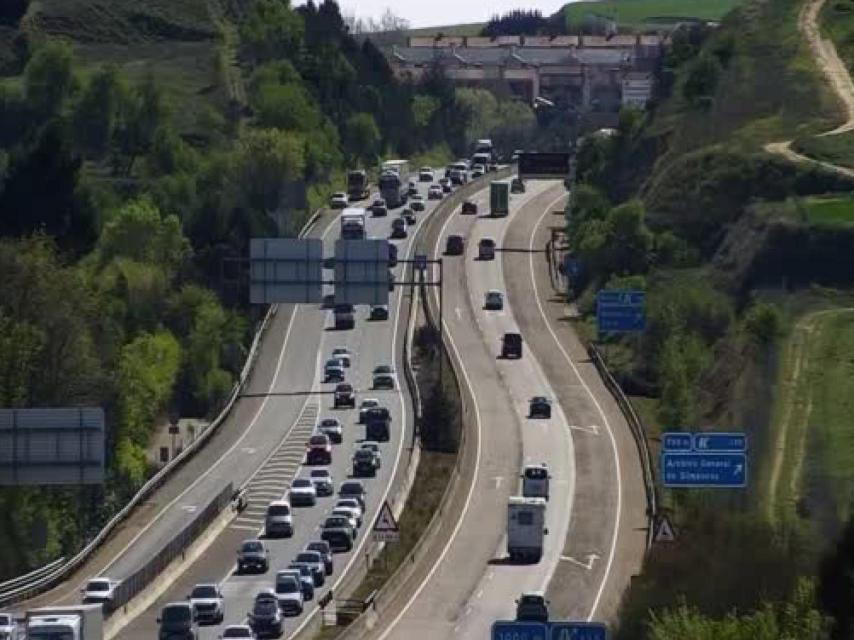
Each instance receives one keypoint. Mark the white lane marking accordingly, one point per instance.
(591, 428)
(591, 558)
(358, 550)
(498, 480)
(244, 527)
(248, 450)
(459, 313)
(611, 552)
(470, 493)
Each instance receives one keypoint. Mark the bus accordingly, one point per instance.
(394, 183)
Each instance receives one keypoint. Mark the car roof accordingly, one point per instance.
(494, 292)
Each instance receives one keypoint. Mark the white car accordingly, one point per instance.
(434, 192)
(324, 484)
(331, 427)
(342, 354)
(303, 492)
(425, 174)
(477, 170)
(100, 590)
(348, 513)
(367, 404)
(338, 200)
(208, 603)
(9, 628)
(351, 503)
(289, 593)
(416, 202)
(235, 631)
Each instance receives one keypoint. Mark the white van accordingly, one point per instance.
(535, 481)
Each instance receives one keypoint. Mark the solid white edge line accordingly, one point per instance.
(605, 421)
(459, 523)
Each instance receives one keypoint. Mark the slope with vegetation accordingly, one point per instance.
(141, 146)
(733, 247)
(645, 13)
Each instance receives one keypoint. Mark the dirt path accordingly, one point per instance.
(830, 64)
(789, 447)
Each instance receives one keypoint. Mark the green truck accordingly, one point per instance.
(499, 198)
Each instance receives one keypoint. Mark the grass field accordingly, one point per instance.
(633, 13)
(812, 465)
(834, 210)
(838, 149)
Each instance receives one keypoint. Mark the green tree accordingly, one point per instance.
(362, 137)
(271, 30)
(763, 322)
(97, 111)
(21, 347)
(836, 584)
(701, 79)
(424, 108)
(286, 106)
(146, 112)
(147, 370)
(676, 401)
(49, 78)
(138, 232)
(629, 240)
(268, 157)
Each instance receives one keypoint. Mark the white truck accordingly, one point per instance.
(526, 528)
(353, 223)
(77, 622)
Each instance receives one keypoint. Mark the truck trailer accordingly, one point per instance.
(526, 528)
(357, 184)
(499, 198)
(76, 622)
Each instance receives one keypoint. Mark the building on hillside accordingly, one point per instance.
(597, 74)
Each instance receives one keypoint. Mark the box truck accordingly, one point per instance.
(357, 184)
(499, 198)
(77, 622)
(526, 528)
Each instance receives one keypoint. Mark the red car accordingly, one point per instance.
(319, 450)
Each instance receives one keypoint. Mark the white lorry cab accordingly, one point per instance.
(79, 622)
(526, 528)
(535, 481)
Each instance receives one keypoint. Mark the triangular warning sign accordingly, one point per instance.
(385, 520)
(664, 532)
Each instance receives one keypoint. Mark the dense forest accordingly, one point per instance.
(116, 219)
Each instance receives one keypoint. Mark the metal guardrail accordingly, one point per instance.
(388, 591)
(639, 433)
(31, 576)
(142, 577)
(42, 580)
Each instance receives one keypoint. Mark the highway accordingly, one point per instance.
(313, 338)
(471, 584)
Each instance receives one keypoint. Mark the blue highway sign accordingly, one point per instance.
(677, 441)
(721, 442)
(618, 310)
(577, 631)
(722, 470)
(513, 630)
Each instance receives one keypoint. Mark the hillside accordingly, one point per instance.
(638, 13)
(176, 39)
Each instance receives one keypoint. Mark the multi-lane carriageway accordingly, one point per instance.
(595, 514)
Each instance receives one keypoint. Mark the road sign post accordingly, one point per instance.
(386, 528)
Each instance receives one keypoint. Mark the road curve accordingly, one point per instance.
(607, 537)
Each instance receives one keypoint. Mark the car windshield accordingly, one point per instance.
(254, 545)
(98, 585)
(264, 607)
(383, 368)
(318, 441)
(238, 632)
(178, 613)
(319, 473)
(274, 510)
(364, 454)
(308, 556)
(344, 388)
(336, 521)
(302, 483)
(348, 502)
(370, 402)
(333, 362)
(287, 584)
(320, 547)
(536, 473)
(329, 422)
(204, 591)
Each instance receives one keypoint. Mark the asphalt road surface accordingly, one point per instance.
(313, 338)
(472, 583)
